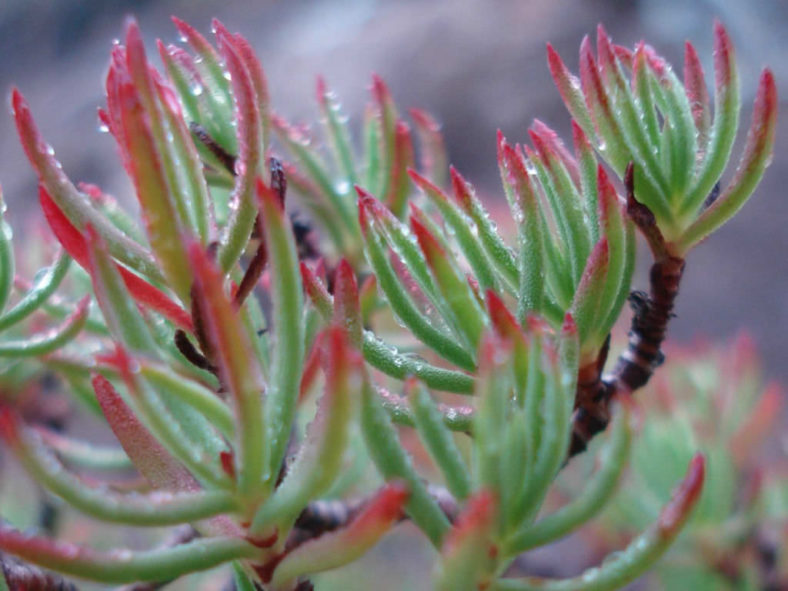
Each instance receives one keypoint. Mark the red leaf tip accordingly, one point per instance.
(363, 193)
(569, 327)
(18, 102)
(502, 320)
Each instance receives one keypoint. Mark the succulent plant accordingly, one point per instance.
(711, 398)
(250, 373)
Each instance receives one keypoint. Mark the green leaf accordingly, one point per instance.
(589, 502)
(249, 162)
(318, 174)
(336, 129)
(44, 285)
(461, 226)
(401, 301)
(288, 327)
(755, 158)
(152, 509)
(393, 462)
(635, 559)
(192, 393)
(588, 298)
(322, 451)
(6, 257)
(468, 557)
(452, 285)
(496, 249)
(385, 357)
(74, 204)
(51, 340)
(125, 566)
(84, 454)
(123, 319)
(726, 122)
(438, 439)
(493, 390)
(238, 372)
(334, 549)
(525, 208)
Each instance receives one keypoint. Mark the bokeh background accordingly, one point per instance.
(477, 65)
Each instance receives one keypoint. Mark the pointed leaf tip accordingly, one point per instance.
(321, 89)
(347, 309)
(379, 89)
(723, 56)
(503, 322)
(363, 193)
(461, 190)
(428, 243)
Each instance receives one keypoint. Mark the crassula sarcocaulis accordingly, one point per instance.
(252, 366)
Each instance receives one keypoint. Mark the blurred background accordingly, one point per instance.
(477, 65)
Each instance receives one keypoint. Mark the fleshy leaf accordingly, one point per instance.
(347, 313)
(496, 249)
(50, 340)
(453, 287)
(6, 256)
(755, 158)
(642, 552)
(152, 509)
(462, 228)
(468, 556)
(400, 298)
(248, 164)
(321, 456)
(43, 287)
(596, 494)
(154, 462)
(394, 462)
(697, 93)
(726, 120)
(438, 439)
(124, 566)
(75, 206)
(347, 544)
(287, 314)
(75, 244)
(433, 161)
(238, 370)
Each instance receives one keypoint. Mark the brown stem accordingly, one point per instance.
(20, 576)
(255, 268)
(227, 159)
(651, 314)
(320, 517)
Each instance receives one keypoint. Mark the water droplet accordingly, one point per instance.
(122, 554)
(196, 88)
(103, 128)
(590, 575)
